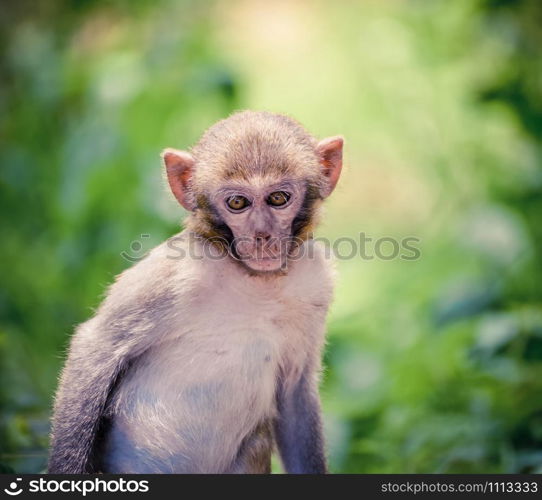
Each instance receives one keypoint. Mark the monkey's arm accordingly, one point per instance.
(137, 311)
(298, 427)
(91, 371)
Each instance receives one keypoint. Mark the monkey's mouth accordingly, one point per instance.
(264, 264)
(271, 256)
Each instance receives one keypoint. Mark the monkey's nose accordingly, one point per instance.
(262, 236)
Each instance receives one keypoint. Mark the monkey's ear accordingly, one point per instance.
(330, 153)
(179, 166)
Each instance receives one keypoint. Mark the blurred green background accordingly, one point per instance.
(432, 365)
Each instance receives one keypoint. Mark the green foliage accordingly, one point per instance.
(433, 365)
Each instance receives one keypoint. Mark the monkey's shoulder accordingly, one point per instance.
(148, 290)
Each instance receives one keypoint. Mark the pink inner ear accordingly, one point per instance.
(330, 151)
(179, 170)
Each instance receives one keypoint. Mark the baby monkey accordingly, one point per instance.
(206, 363)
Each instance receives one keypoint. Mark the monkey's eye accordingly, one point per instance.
(278, 198)
(237, 202)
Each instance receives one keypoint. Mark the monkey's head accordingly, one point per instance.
(254, 183)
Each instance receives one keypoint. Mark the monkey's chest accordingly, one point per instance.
(190, 401)
(216, 365)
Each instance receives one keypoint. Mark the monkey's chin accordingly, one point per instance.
(264, 265)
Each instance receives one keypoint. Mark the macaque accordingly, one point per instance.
(208, 363)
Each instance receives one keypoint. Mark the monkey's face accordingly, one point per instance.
(254, 181)
(260, 215)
